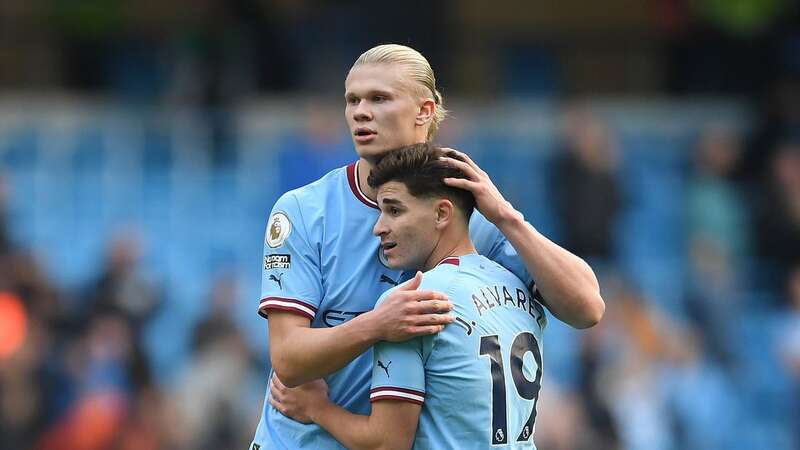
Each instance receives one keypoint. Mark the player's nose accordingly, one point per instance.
(362, 112)
(380, 228)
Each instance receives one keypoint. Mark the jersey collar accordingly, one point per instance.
(352, 180)
(450, 260)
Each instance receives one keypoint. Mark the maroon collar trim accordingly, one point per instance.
(352, 180)
(450, 260)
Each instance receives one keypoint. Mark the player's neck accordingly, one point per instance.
(364, 168)
(454, 245)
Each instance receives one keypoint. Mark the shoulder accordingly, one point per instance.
(300, 209)
(479, 267)
(442, 277)
(495, 269)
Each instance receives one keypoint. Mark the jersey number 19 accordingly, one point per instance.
(523, 343)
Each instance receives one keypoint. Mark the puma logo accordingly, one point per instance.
(385, 368)
(386, 279)
(277, 280)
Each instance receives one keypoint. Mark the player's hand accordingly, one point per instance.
(488, 199)
(408, 312)
(297, 403)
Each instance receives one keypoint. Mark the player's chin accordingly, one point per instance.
(396, 262)
(393, 263)
(370, 151)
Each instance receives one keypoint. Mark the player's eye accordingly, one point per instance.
(394, 211)
(352, 100)
(379, 98)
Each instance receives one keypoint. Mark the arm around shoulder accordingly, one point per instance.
(565, 281)
(300, 353)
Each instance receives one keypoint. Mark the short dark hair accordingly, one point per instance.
(419, 168)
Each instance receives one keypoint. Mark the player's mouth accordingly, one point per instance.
(388, 247)
(364, 135)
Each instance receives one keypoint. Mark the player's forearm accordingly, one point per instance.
(354, 431)
(351, 430)
(566, 281)
(302, 354)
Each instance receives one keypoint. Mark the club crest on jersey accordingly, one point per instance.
(279, 229)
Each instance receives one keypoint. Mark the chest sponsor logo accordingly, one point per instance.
(333, 317)
(279, 229)
(277, 261)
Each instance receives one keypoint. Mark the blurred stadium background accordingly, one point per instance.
(143, 143)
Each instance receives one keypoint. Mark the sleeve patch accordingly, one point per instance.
(277, 261)
(279, 229)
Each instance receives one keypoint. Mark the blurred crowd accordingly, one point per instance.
(717, 368)
(720, 370)
(74, 374)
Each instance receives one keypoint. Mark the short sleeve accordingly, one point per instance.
(491, 243)
(398, 369)
(291, 279)
(398, 372)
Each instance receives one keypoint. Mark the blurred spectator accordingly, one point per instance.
(717, 230)
(29, 280)
(561, 422)
(151, 423)
(715, 211)
(777, 121)
(588, 195)
(102, 369)
(790, 349)
(212, 398)
(121, 288)
(635, 342)
(701, 396)
(23, 388)
(778, 214)
(603, 428)
(5, 239)
(789, 343)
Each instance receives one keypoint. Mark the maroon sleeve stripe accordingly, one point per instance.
(392, 388)
(392, 393)
(377, 398)
(286, 304)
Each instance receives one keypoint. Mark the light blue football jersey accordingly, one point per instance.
(479, 379)
(322, 261)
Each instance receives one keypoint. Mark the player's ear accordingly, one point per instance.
(425, 112)
(444, 213)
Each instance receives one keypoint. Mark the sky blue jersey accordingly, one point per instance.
(479, 379)
(322, 261)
